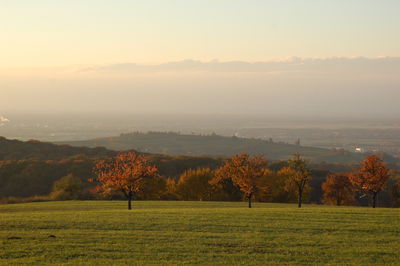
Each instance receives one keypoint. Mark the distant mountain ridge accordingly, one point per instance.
(20, 150)
(172, 143)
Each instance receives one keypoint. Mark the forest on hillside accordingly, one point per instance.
(174, 143)
(36, 169)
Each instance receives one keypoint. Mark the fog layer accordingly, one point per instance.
(295, 86)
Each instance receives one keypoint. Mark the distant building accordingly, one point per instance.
(297, 142)
(359, 149)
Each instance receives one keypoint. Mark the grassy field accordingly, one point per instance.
(99, 232)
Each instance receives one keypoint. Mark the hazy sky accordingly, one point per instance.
(309, 57)
(65, 32)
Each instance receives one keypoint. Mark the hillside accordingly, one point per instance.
(214, 145)
(19, 150)
(29, 168)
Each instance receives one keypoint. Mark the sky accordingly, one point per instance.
(200, 56)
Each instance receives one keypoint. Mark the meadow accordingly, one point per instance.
(177, 232)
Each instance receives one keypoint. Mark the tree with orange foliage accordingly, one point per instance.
(194, 184)
(371, 177)
(126, 173)
(298, 174)
(338, 190)
(245, 172)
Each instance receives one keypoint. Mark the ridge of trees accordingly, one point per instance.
(188, 178)
(175, 143)
(33, 149)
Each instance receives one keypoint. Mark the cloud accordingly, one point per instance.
(313, 86)
(4, 119)
(287, 65)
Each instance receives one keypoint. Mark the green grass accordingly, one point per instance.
(100, 232)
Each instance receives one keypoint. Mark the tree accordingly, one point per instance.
(395, 194)
(153, 188)
(371, 177)
(298, 175)
(68, 187)
(194, 184)
(127, 173)
(279, 191)
(170, 190)
(338, 190)
(245, 172)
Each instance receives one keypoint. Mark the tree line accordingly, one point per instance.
(243, 174)
(197, 178)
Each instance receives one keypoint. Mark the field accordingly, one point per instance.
(100, 232)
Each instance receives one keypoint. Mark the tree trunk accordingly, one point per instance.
(338, 201)
(129, 202)
(249, 198)
(374, 199)
(300, 198)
